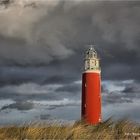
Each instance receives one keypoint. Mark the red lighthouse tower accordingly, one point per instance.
(91, 88)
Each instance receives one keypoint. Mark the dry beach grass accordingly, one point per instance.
(107, 130)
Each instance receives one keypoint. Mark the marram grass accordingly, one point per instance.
(107, 130)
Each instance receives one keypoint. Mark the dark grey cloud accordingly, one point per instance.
(73, 88)
(30, 91)
(45, 116)
(56, 39)
(66, 28)
(5, 2)
(19, 106)
(116, 97)
(33, 91)
(122, 93)
(132, 88)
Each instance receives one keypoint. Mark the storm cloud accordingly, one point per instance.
(42, 45)
(34, 35)
(120, 91)
(19, 106)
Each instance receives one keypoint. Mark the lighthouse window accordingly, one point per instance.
(90, 55)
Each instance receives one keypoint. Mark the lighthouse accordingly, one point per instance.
(91, 88)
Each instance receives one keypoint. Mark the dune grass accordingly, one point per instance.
(107, 130)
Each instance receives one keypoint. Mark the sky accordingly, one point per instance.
(42, 46)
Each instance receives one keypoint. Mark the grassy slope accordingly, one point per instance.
(107, 130)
